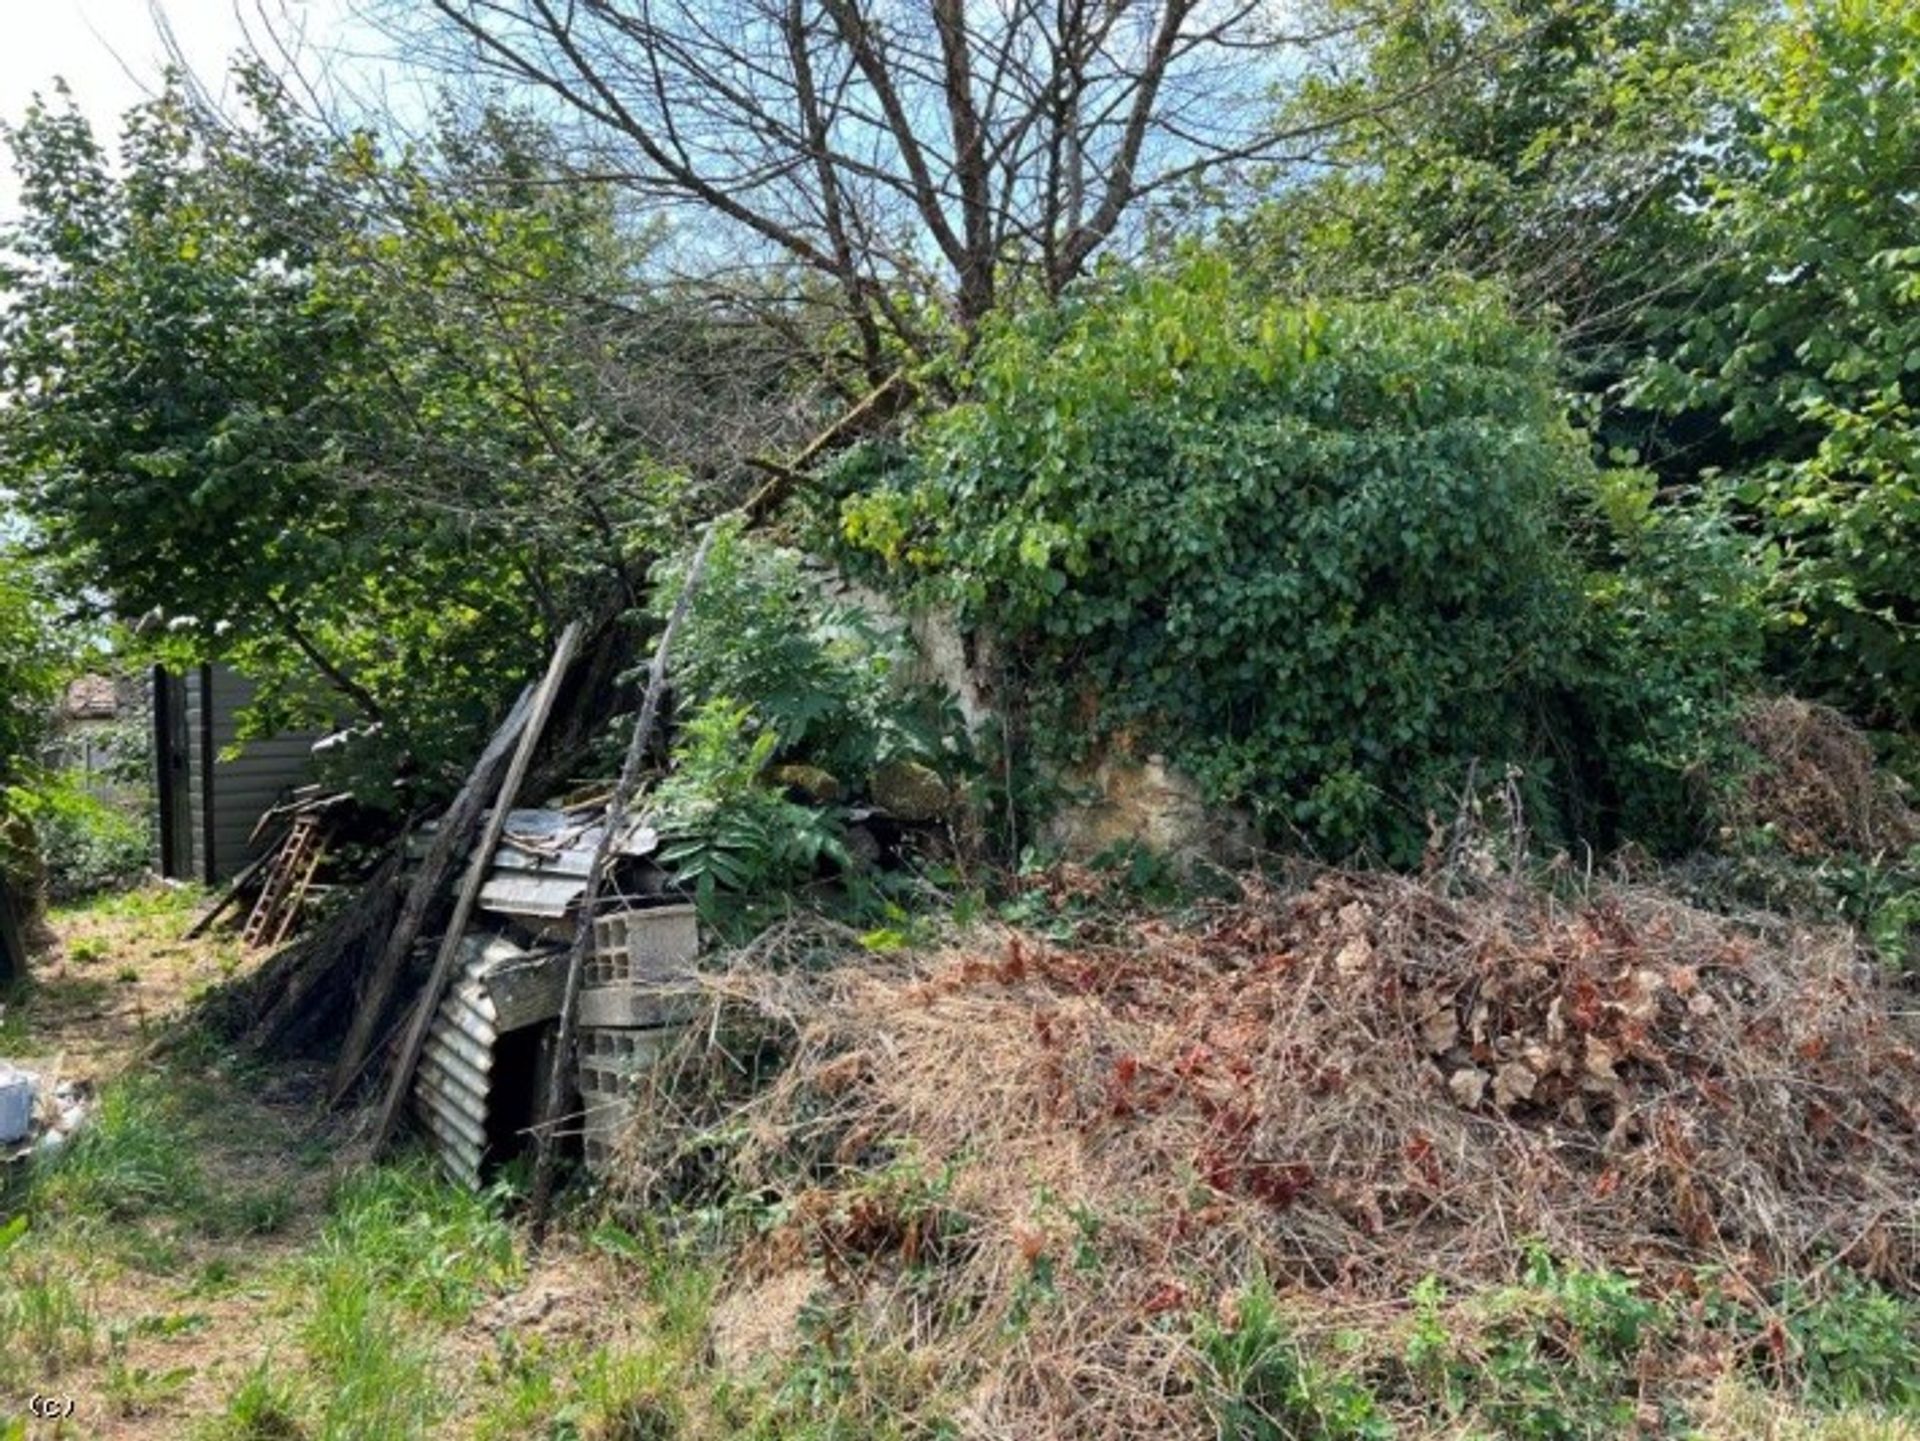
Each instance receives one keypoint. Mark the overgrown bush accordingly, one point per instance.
(820, 673)
(1316, 552)
(790, 700)
(87, 845)
(1647, 718)
(722, 825)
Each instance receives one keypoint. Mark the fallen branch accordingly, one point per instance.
(455, 830)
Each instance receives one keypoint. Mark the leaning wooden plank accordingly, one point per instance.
(456, 828)
(448, 960)
(552, 1096)
(232, 893)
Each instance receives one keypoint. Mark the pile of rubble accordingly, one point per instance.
(35, 1118)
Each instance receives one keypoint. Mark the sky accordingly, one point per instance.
(112, 54)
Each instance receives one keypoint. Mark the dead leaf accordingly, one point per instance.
(1601, 1059)
(1512, 1084)
(1440, 1029)
(1469, 1087)
(1355, 956)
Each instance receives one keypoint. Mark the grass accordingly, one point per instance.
(46, 1323)
(433, 1249)
(264, 1407)
(128, 1162)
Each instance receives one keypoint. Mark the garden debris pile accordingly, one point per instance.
(1817, 785)
(1351, 1087)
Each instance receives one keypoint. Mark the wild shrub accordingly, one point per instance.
(822, 675)
(87, 845)
(1552, 1358)
(1317, 553)
(1645, 721)
(722, 826)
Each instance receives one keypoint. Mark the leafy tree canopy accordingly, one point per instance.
(323, 412)
(1804, 344)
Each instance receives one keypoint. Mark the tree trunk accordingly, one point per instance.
(13, 938)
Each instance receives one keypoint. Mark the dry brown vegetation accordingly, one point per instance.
(1816, 784)
(1348, 1088)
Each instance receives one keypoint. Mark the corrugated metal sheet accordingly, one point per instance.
(541, 866)
(548, 897)
(454, 1114)
(453, 1089)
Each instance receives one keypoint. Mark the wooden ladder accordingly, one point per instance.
(287, 880)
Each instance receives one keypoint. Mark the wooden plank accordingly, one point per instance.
(553, 1097)
(13, 938)
(527, 993)
(428, 880)
(477, 867)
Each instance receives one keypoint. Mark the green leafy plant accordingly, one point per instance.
(87, 845)
(722, 825)
(1551, 1358)
(1262, 1384)
(1854, 1343)
(1308, 550)
(820, 672)
(1668, 648)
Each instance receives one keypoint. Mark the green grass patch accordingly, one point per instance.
(46, 1323)
(433, 1248)
(374, 1364)
(265, 1407)
(134, 1158)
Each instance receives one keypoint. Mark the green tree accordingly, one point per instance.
(29, 674)
(30, 668)
(1804, 345)
(325, 413)
(1557, 147)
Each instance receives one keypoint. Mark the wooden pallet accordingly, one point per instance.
(288, 876)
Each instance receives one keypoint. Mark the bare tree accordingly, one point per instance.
(924, 161)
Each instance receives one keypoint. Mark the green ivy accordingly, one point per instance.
(1311, 551)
